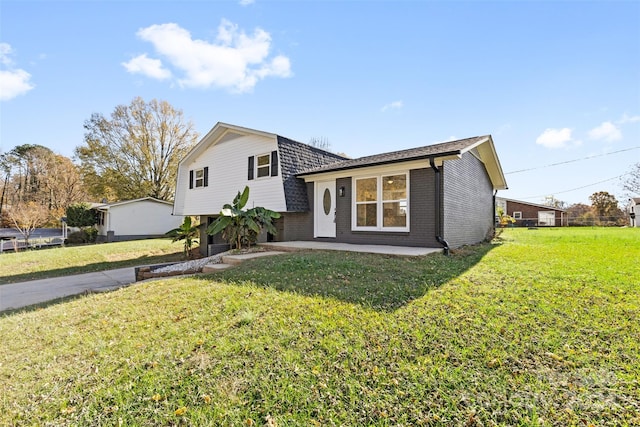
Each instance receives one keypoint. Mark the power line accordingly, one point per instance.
(578, 188)
(572, 161)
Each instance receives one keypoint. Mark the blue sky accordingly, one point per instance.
(552, 82)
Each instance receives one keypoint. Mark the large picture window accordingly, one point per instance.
(381, 203)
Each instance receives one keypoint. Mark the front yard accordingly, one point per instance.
(62, 261)
(539, 328)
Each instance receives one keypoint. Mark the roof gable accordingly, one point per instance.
(221, 132)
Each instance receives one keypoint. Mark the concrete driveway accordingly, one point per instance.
(24, 294)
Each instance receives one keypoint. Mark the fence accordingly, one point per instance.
(16, 243)
(575, 221)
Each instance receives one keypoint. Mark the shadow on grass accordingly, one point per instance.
(6, 279)
(381, 282)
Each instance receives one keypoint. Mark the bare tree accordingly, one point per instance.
(321, 142)
(632, 183)
(554, 203)
(135, 153)
(28, 216)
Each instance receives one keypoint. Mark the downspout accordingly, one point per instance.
(495, 193)
(436, 203)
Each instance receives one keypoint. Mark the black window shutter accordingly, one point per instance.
(250, 176)
(274, 163)
(206, 176)
(190, 179)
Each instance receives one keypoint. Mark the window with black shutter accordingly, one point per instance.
(199, 177)
(263, 165)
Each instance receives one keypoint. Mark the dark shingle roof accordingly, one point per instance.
(295, 157)
(435, 150)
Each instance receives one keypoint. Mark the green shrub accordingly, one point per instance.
(86, 235)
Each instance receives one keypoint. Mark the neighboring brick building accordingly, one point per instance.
(533, 215)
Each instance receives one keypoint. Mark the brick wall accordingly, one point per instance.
(421, 215)
(467, 196)
(530, 213)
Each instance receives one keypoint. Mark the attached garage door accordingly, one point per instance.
(547, 218)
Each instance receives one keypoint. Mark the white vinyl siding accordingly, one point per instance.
(143, 217)
(227, 161)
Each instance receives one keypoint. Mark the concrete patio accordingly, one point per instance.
(331, 246)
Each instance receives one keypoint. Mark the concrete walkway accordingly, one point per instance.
(24, 294)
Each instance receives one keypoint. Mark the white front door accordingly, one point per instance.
(325, 210)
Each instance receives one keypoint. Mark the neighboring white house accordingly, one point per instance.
(633, 209)
(135, 219)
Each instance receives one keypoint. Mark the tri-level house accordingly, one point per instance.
(438, 195)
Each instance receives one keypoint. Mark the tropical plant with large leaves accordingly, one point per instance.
(188, 232)
(241, 227)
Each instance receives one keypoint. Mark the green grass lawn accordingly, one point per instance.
(62, 261)
(539, 328)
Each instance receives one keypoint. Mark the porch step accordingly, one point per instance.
(210, 268)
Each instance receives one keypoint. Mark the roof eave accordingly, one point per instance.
(492, 163)
(456, 153)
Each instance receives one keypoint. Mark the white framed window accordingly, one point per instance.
(517, 215)
(263, 165)
(381, 202)
(198, 178)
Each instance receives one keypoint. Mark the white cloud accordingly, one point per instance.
(234, 60)
(5, 51)
(556, 138)
(13, 81)
(628, 119)
(148, 66)
(607, 131)
(395, 105)
(246, 2)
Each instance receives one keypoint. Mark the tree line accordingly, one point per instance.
(605, 209)
(132, 153)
